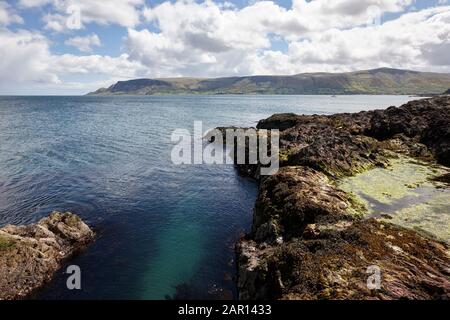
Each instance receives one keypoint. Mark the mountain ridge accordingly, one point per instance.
(374, 81)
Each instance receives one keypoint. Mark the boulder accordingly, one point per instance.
(30, 255)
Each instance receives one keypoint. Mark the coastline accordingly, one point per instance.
(315, 175)
(312, 240)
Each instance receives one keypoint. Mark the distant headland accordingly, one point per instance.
(376, 81)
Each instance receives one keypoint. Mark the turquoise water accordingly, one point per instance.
(160, 226)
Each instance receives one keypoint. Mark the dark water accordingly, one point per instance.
(108, 160)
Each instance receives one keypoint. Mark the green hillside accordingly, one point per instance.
(377, 81)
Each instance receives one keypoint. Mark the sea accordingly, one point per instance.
(164, 231)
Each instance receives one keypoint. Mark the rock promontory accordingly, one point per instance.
(30, 255)
(312, 238)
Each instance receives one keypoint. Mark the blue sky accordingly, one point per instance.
(126, 39)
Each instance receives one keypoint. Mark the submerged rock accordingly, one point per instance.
(30, 255)
(312, 240)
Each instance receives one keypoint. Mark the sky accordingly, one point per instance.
(65, 47)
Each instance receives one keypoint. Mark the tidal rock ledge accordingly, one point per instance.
(311, 240)
(30, 255)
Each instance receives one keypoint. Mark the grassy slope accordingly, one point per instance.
(378, 81)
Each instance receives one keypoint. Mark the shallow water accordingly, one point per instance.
(407, 194)
(108, 160)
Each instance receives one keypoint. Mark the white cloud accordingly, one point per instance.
(206, 39)
(8, 15)
(399, 43)
(125, 13)
(120, 66)
(84, 44)
(187, 38)
(249, 26)
(56, 22)
(418, 41)
(325, 14)
(26, 59)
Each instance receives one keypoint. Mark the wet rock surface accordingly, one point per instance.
(310, 239)
(334, 261)
(344, 144)
(30, 255)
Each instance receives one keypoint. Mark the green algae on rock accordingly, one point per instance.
(431, 218)
(401, 178)
(6, 242)
(406, 192)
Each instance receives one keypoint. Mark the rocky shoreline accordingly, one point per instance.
(30, 255)
(312, 240)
